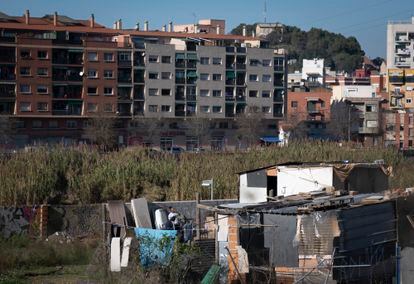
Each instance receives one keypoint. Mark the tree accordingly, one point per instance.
(101, 131)
(249, 124)
(7, 130)
(344, 120)
(239, 29)
(146, 127)
(198, 127)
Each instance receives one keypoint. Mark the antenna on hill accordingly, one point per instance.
(265, 11)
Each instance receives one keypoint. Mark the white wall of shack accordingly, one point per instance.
(251, 194)
(294, 180)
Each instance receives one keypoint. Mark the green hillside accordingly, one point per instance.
(340, 53)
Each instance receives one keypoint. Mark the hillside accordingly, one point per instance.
(340, 53)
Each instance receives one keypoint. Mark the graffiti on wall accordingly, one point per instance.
(18, 220)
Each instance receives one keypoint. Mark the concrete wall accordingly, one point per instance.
(293, 180)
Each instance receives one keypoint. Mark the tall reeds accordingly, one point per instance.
(85, 175)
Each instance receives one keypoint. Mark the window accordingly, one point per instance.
(205, 109)
(92, 107)
(71, 124)
(294, 104)
(42, 71)
(166, 143)
(108, 57)
(216, 77)
(42, 106)
(253, 94)
(25, 89)
(204, 76)
(166, 59)
(153, 75)
(25, 106)
(37, 124)
(108, 107)
(265, 94)
(166, 92)
(166, 75)
(41, 89)
(25, 54)
(42, 54)
(253, 77)
(25, 71)
(92, 91)
(408, 101)
(371, 108)
(266, 78)
(92, 73)
(108, 74)
(266, 62)
(153, 92)
(216, 93)
(165, 108)
(153, 108)
(204, 60)
(124, 56)
(266, 109)
(216, 109)
(92, 56)
(53, 124)
(254, 62)
(204, 93)
(108, 91)
(153, 58)
(372, 123)
(216, 61)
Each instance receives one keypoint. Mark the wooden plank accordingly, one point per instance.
(125, 252)
(116, 254)
(141, 213)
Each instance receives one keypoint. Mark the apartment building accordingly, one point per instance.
(56, 72)
(309, 112)
(400, 44)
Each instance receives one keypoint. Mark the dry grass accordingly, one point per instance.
(69, 175)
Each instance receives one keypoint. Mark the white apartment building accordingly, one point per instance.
(400, 44)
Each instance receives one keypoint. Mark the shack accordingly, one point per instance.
(258, 185)
(323, 239)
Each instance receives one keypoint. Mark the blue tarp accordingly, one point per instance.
(270, 139)
(155, 246)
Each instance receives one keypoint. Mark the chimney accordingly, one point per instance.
(27, 17)
(115, 25)
(146, 26)
(92, 21)
(55, 19)
(120, 24)
(137, 26)
(170, 27)
(164, 28)
(218, 29)
(244, 30)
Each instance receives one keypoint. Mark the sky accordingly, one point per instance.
(364, 19)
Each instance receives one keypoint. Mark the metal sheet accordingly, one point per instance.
(141, 213)
(279, 232)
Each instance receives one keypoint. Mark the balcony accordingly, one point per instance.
(180, 63)
(67, 92)
(230, 49)
(67, 57)
(7, 91)
(191, 64)
(124, 63)
(7, 55)
(191, 98)
(7, 73)
(6, 107)
(404, 52)
(66, 108)
(67, 74)
(396, 80)
(180, 110)
(397, 94)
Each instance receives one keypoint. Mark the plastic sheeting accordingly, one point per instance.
(155, 246)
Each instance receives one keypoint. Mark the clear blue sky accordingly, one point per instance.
(364, 19)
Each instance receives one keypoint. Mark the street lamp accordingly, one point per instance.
(208, 183)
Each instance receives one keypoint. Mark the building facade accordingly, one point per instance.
(57, 72)
(400, 44)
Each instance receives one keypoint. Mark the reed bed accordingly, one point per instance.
(85, 175)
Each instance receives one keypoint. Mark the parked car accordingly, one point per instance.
(175, 150)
